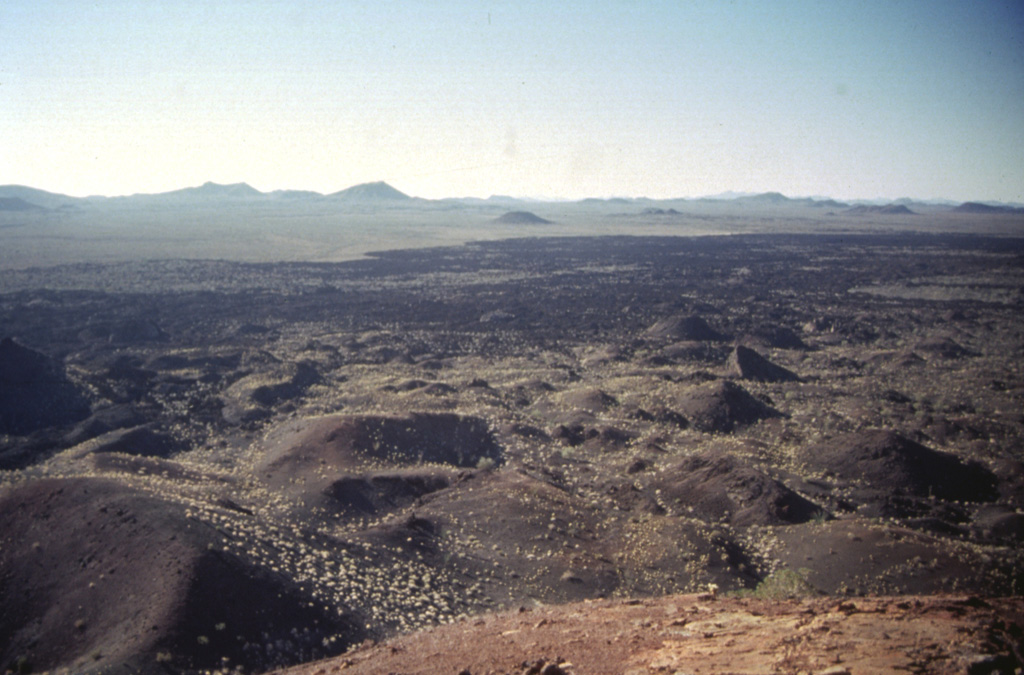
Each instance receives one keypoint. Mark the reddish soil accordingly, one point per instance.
(702, 634)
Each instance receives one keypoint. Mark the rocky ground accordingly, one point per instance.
(703, 634)
(229, 466)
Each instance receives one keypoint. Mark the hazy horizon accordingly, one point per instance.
(725, 195)
(452, 99)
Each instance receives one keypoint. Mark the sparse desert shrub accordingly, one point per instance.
(782, 584)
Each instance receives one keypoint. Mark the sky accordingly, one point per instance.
(849, 99)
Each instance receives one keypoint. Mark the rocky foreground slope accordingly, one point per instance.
(940, 635)
(249, 467)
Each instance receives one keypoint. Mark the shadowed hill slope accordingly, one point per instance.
(113, 579)
(35, 392)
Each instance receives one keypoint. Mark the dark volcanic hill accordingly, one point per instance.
(118, 579)
(521, 218)
(891, 464)
(722, 406)
(749, 365)
(371, 192)
(720, 487)
(684, 328)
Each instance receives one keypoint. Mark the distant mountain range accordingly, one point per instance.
(213, 192)
(380, 194)
(779, 199)
(21, 198)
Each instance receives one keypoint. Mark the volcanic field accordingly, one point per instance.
(237, 467)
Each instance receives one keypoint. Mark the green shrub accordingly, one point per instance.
(783, 584)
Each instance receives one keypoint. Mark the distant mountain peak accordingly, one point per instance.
(377, 191)
(764, 198)
(233, 189)
(208, 191)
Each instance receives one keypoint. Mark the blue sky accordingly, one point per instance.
(569, 99)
